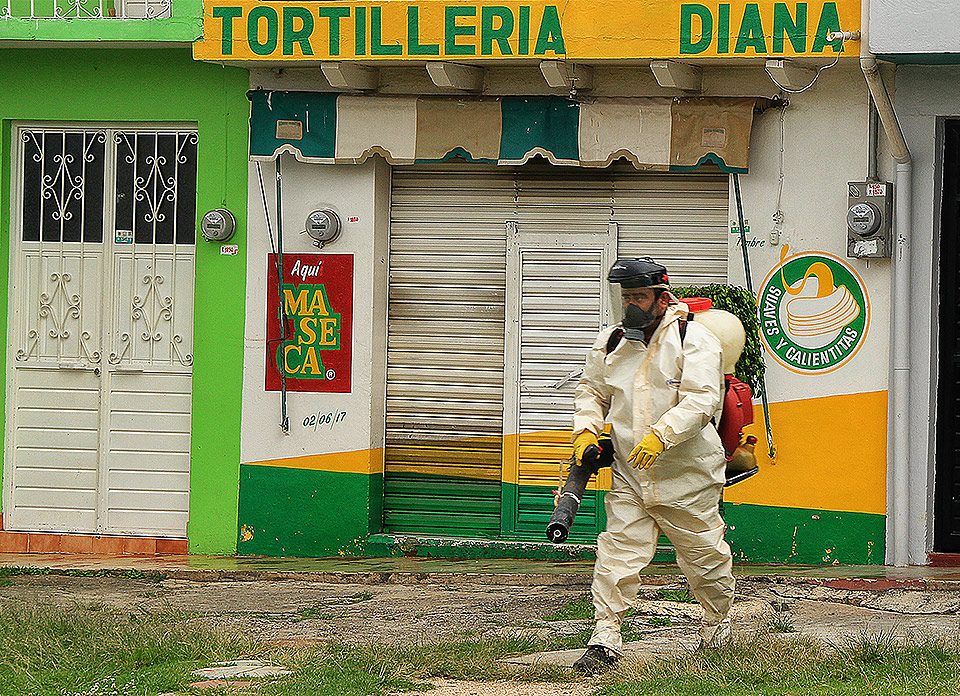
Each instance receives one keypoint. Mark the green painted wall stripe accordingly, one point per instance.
(288, 512)
(762, 534)
(108, 86)
(303, 512)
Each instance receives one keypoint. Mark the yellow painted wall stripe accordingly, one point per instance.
(831, 455)
(355, 462)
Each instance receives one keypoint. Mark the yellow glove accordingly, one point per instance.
(646, 453)
(580, 444)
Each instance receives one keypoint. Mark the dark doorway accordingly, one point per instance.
(946, 520)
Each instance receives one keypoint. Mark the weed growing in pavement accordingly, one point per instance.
(677, 595)
(660, 621)
(358, 597)
(781, 622)
(322, 613)
(15, 571)
(580, 608)
(125, 573)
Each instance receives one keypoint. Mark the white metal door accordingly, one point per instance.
(558, 291)
(101, 330)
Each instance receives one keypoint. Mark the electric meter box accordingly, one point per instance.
(869, 219)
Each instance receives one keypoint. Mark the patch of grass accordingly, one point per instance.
(5, 582)
(678, 595)
(314, 613)
(50, 652)
(772, 665)
(781, 622)
(87, 651)
(660, 621)
(581, 608)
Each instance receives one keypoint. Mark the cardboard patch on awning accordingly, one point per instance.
(709, 129)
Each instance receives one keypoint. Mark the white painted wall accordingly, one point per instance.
(825, 146)
(914, 26)
(359, 191)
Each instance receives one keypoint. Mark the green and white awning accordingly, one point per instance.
(661, 134)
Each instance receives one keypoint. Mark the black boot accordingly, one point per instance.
(596, 659)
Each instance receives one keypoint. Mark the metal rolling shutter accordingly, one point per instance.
(447, 314)
(445, 351)
(680, 220)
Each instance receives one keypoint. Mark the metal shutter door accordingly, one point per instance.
(560, 315)
(444, 411)
(679, 220)
(558, 323)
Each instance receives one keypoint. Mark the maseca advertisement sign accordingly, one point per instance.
(254, 30)
(314, 346)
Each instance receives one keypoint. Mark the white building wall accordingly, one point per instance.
(914, 26)
(359, 192)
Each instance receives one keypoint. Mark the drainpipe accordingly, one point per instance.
(898, 501)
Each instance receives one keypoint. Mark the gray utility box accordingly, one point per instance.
(869, 219)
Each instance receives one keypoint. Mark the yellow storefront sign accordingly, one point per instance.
(261, 30)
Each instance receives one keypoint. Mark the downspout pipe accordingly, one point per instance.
(898, 500)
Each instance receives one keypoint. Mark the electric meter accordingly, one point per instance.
(869, 217)
(323, 226)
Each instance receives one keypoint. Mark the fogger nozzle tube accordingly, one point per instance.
(558, 528)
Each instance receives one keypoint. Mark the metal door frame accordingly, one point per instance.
(106, 294)
(517, 242)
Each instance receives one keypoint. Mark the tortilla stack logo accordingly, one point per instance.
(814, 312)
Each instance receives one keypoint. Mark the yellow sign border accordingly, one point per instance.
(510, 30)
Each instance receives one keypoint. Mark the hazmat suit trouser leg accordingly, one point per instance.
(629, 544)
(623, 550)
(705, 559)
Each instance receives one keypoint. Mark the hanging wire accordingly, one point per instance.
(771, 449)
(816, 77)
(278, 263)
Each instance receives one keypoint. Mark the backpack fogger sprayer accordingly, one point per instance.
(736, 414)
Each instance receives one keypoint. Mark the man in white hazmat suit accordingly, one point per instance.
(657, 380)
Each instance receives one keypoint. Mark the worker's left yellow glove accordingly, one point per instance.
(646, 452)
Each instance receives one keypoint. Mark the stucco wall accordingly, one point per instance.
(914, 26)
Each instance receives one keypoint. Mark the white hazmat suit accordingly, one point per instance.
(673, 389)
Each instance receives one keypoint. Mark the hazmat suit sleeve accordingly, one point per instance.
(592, 396)
(699, 391)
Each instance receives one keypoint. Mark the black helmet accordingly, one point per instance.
(642, 272)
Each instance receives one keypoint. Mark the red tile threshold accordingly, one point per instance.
(40, 542)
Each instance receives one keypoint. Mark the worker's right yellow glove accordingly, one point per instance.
(581, 443)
